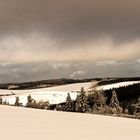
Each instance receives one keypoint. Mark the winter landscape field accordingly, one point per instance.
(69, 69)
(31, 124)
(57, 94)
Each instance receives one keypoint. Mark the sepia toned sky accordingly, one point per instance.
(92, 38)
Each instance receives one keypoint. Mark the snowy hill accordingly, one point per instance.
(56, 94)
(31, 124)
(117, 85)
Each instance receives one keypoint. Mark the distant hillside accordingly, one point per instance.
(43, 83)
(63, 81)
(107, 81)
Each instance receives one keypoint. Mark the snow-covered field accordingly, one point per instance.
(56, 94)
(117, 85)
(31, 124)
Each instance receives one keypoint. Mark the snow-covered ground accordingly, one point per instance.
(56, 94)
(54, 97)
(31, 124)
(117, 85)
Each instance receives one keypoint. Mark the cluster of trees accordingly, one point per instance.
(34, 104)
(97, 102)
(3, 102)
(121, 101)
(94, 102)
(129, 98)
(80, 105)
(31, 103)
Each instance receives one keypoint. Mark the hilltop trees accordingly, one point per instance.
(139, 102)
(69, 105)
(0, 101)
(17, 102)
(5, 102)
(99, 102)
(58, 107)
(138, 106)
(30, 101)
(41, 105)
(134, 108)
(81, 104)
(114, 104)
(93, 101)
(98, 98)
(37, 104)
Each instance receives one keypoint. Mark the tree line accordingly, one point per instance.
(123, 101)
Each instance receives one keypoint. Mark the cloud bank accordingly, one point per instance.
(96, 32)
(79, 30)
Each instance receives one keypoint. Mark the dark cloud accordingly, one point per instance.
(73, 31)
(73, 19)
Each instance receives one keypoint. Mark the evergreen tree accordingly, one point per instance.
(99, 98)
(1, 101)
(58, 107)
(17, 103)
(81, 102)
(29, 101)
(114, 102)
(41, 105)
(139, 102)
(138, 106)
(78, 104)
(5, 102)
(69, 104)
(99, 101)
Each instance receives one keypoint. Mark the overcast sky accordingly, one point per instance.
(85, 38)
